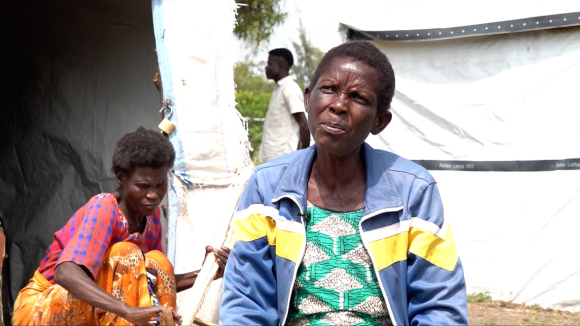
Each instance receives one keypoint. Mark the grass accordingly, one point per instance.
(487, 312)
(531, 323)
(479, 297)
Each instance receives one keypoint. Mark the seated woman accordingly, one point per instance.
(106, 266)
(341, 233)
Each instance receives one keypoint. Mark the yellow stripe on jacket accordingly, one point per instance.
(288, 244)
(425, 244)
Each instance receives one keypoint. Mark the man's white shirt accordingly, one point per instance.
(281, 132)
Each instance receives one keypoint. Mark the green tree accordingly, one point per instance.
(250, 76)
(253, 106)
(254, 90)
(307, 57)
(257, 19)
(253, 95)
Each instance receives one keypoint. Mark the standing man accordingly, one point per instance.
(285, 128)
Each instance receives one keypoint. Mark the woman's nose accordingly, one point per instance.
(339, 104)
(152, 193)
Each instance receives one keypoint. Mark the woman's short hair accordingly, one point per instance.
(142, 147)
(369, 54)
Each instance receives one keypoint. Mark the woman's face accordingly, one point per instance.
(342, 107)
(143, 189)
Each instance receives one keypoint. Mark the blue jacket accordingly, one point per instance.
(402, 228)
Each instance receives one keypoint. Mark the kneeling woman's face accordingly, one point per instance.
(143, 188)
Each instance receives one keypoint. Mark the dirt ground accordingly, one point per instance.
(504, 313)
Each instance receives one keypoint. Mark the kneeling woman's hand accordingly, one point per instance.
(185, 281)
(141, 316)
(222, 256)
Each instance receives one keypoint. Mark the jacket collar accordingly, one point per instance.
(380, 190)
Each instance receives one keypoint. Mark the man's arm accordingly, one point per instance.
(304, 132)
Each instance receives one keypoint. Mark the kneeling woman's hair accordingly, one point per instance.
(143, 147)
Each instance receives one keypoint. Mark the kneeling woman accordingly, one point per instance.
(106, 266)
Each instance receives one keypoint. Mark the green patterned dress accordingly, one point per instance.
(336, 283)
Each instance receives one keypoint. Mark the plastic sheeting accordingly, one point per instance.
(76, 76)
(502, 97)
(212, 164)
(499, 98)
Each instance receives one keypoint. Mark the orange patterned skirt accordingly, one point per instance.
(123, 274)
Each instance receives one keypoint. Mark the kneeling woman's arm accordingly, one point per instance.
(185, 281)
(75, 280)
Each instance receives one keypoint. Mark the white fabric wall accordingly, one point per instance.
(195, 46)
(499, 98)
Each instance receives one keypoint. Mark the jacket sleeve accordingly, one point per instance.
(249, 290)
(435, 282)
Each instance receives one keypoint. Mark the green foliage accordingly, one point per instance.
(254, 90)
(253, 95)
(253, 106)
(307, 58)
(257, 19)
(479, 297)
(250, 77)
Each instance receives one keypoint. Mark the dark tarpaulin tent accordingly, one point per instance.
(76, 76)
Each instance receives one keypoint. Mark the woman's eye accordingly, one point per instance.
(358, 97)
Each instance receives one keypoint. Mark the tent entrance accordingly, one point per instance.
(76, 76)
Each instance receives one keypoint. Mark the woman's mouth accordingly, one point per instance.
(333, 128)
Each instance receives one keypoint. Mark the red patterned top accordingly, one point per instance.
(92, 230)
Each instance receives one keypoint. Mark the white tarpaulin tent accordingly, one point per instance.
(195, 49)
(486, 99)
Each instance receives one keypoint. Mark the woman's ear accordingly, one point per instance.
(306, 98)
(381, 122)
(121, 177)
